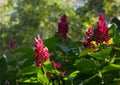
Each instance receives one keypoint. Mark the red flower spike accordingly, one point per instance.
(101, 32)
(12, 44)
(41, 52)
(63, 26)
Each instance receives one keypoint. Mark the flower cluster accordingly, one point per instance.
(57, 66)
(41, 52)
(12, 44)
(100, 34)
(63, 26)
(87, 42)
(102, 31)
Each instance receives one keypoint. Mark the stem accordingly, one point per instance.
(58, 80)
(104, 79)
(63, 82)
(88, 80)
(71, 82)
(53, 83)
(42, 70)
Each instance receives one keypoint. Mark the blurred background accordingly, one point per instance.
(22, 20)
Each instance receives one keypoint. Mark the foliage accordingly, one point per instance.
(70, 62)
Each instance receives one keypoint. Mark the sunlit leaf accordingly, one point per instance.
(73, 74)
(102, 54)
(111, 67)
(30, 70)
(42, 78)
(47, 66)
(86, 51)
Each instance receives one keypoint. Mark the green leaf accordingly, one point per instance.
(112, 30)
(117, 41)
(102, 54)
(25, 56)
(84, 64)
(100, 74)
(47, 66)
(12, 73)
(86, 51)
(117, 79)
(51, 43)
(24, 50)
(30, 70)
(28, 80)
(73, 75)
(12, 62)
(3, 68)
(111, 67)
(28, 62)
(64, 48)
(42, 79)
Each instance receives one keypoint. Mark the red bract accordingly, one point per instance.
(63, 73)
(101, 33)
(90, 32)
(56, 65)
(89, 38)
(41, 52)
(63, 26)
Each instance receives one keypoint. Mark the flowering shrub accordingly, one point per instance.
(54, 62)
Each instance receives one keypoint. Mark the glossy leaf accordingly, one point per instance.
(30, 70)
(84, 64)
(73, 75)
(42, 78)
(117, 41)
(112, 30)
(47, 66)
(86, 51)
(102, 54)
(64, 48)
(51, 43)
(111, 67)
(28, 62)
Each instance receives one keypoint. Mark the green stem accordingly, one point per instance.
(87, 80)
(71, 82)
(42, 70)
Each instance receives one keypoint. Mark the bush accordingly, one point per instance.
(61, 61)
